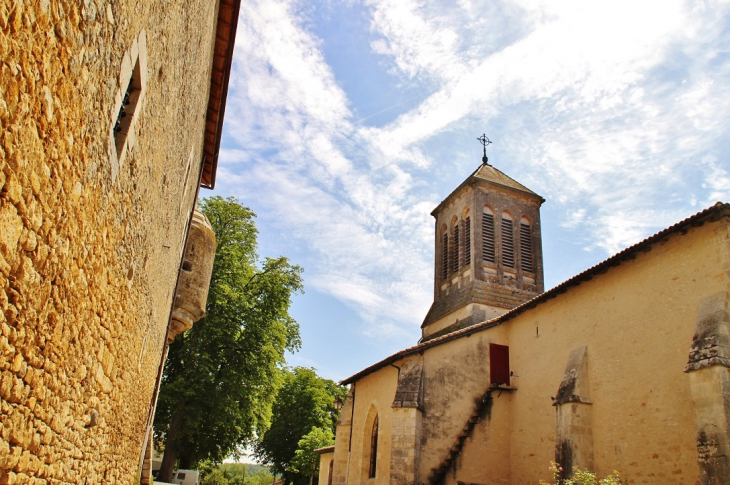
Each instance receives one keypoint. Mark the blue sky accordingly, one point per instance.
(348, 122)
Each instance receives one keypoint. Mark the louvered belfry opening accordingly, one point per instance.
(445, 257)
(526, 247)
(467, 241)
(508, 244)
(455, 259)
(488, 237)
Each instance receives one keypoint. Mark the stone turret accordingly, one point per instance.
(197, 268)
(488, 251)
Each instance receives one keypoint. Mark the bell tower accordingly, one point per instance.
(488, 250)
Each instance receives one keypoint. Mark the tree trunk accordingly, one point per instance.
(311, 476)
(185, 462)
(170, 456)
(288, 478)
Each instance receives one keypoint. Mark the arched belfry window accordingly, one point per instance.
(526, 245)
(455, 248)
(373, 449)
(445, 255)
(508, 242)
(488, 235)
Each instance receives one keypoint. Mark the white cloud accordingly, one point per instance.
(417, 44)
(617, 107)
(620, 137)
(717, 181)
(353, 217)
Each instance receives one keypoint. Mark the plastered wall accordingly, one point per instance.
(325, 459)
(456, 377)
(372, 394)
(89, 252)
(636, 322)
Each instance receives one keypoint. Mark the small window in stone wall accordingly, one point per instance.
(126, 111)
(128, 100)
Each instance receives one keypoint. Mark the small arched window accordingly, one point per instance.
(488, 235)
(329, 474)
(508, 242)
(455, 249)
(526, 245)
(445, 255)
(373, 449)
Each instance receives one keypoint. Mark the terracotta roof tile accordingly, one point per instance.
(322, 451)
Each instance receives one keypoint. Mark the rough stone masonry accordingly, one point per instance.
(91, 239)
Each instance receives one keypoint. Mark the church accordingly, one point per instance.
(623, 367)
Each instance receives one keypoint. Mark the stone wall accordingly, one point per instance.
(90, 251)
(494, 287)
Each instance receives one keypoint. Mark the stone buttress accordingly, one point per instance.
(709, 374)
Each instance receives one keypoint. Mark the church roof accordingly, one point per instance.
(711, 214)
(492, 175)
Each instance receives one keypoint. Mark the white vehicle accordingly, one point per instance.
(183, 477)
(186, 477)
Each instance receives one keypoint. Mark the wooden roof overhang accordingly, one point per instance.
(225, 39)
(322, 451)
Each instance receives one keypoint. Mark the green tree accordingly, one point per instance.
(259, 476)
(304, 401)
(305, 461)
(235, 472)
(215, 477)
(221, 377)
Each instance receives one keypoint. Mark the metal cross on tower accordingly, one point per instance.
(484, 141)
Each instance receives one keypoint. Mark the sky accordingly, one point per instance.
(347, 122)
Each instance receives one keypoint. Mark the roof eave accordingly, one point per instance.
(711, 214)
(224, 42)
(473, 180)
(325, 450)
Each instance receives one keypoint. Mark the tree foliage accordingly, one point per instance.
(221, 377)
(305, 461)
(237, 474)
(581, 477)
(305, 401)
